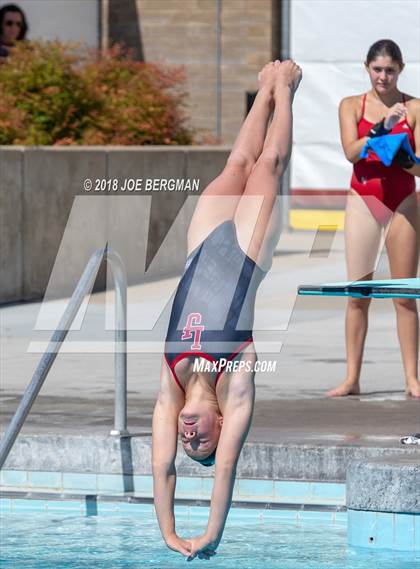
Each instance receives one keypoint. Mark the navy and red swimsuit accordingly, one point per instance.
(213, 310)
(390, 185)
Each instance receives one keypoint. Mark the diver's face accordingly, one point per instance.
(199, 431)
(383, 72)
(11, 28)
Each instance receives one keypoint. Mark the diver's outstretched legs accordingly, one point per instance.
(256, 223)
(219, 200)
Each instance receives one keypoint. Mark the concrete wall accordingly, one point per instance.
(132, 456)
(49, 225)
(11, 222)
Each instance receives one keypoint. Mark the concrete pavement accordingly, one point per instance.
(304, 335)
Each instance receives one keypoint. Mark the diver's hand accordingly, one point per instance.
(177, 544)
(203, 547)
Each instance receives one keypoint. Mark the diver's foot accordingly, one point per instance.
(345, 388)
(267, 76)
(289, 74)
(413, 388)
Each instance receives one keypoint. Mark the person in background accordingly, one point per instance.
(13, 28)
(382, 200)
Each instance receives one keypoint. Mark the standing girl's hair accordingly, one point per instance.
(385, 48)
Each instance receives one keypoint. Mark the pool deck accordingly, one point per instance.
(292, 414)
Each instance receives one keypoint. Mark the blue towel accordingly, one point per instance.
(385, 147)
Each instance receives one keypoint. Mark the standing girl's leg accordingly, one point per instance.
(254, 220)
(362, 240)
(403, 253)
(219, 200)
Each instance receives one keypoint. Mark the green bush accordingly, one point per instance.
(53, 93)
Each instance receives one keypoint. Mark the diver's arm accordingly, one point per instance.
(236, 424)
(163, 464)
(164, 447)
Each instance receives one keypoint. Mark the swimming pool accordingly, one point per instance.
(74, 535)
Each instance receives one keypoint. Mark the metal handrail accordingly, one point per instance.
(83, 287)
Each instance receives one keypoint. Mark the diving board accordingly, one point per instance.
(391, 288)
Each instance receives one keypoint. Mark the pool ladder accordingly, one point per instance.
(84, 286)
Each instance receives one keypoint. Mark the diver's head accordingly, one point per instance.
(199, 427)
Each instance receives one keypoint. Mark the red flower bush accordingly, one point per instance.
(53, 93)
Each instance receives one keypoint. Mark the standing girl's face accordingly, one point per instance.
(383, 73)
(11, 28)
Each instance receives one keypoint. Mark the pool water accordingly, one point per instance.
(128, 537)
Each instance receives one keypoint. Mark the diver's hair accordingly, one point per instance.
(385, 47)
(14, 8)
(209, 460)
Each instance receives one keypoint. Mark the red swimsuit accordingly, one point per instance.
(390, 185)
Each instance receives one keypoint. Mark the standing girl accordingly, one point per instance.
(381, 198)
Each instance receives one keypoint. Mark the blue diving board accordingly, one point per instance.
(392, 288)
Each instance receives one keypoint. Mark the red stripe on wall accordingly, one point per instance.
(312, 198)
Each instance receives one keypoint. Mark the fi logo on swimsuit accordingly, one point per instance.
(193, 325)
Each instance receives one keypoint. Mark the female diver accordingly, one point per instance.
(381, 197)
(231, 240)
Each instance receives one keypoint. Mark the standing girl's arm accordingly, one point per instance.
(414, 112)
(352, 144)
